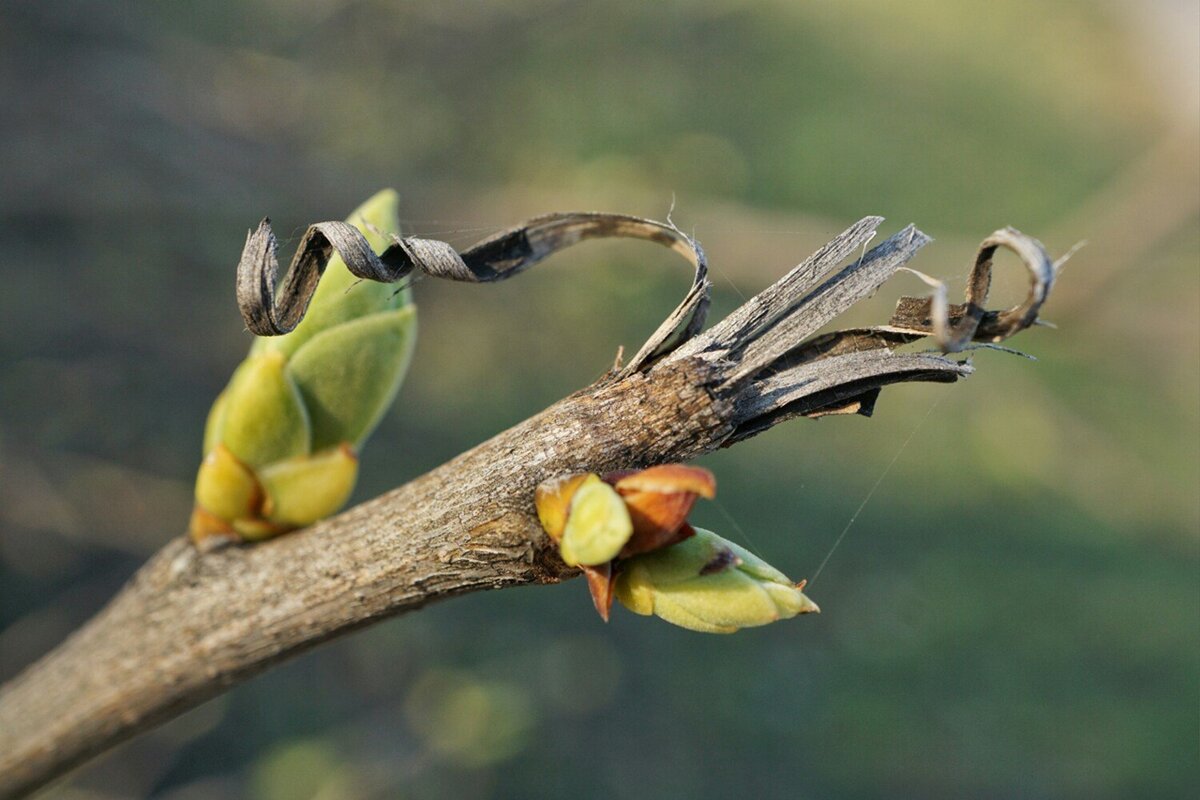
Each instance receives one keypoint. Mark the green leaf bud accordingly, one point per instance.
(708, 584)
(349, 374)
(212, 425)
(281, 440)
(302, 490)
(253, 529)
(263, 418)
(226, 487)
(598, 524)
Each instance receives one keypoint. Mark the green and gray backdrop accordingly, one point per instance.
(1014, 614)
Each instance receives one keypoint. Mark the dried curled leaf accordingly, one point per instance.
(269, 311)
(955, 327)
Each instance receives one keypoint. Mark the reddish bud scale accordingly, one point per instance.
(658, 500)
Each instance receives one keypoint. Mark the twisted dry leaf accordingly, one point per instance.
(268, 312)
(955, 327)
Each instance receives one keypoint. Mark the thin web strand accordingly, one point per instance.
(871, 493)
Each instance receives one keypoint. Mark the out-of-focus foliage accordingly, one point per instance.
(1013, 614)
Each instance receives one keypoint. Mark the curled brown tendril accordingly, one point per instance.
(954, 327)
(269, 311)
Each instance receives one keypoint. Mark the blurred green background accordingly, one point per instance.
(1016, 612)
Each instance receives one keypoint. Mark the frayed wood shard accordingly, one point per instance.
(190, 625)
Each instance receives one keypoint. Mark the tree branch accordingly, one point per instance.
(189, 625)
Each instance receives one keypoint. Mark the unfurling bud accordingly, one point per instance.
(281, 442)
(708, 584)
(629, 534)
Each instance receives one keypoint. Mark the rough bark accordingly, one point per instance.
(189, 625)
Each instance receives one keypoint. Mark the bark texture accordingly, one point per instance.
(189, 625)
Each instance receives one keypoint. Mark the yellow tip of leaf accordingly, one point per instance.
(302, 490)
(553, 499)
(225, 487)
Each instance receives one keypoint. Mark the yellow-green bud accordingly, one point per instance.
(708, 584)
(281, 440)
(598, 524)
(226, 487)
(301, 490)
(262, 418)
